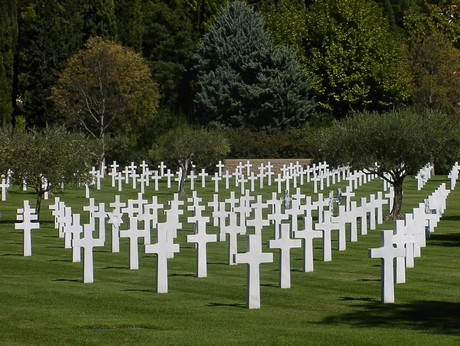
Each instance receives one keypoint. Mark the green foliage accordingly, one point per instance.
(435, 70)
(49, 32)
(130, 28)
(429, 17)
(285, 20)
(8, 39)
(186, 144)
(53, 154)
(393, 145)
(398, 141)
(106, 88)
(168, 44)
(244, 80)
(354, 61)
(99, 19)
(247, 144)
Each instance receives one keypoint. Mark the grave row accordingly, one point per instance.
(401, 245)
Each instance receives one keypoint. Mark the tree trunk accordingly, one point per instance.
(184, 167)
(39, 203)
(395, 214)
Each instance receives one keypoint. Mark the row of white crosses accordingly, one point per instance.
(244, 177)
(423, 175)
(401, 245)
(453, 175)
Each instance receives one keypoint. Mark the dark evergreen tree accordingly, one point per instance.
(243, 80)
(99, 19)
(129, 23)
(8, 39)
(49, 32)
(169, 42)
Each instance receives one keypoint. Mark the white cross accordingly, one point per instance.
(220, 166)
(163, 248)
(254, 258)
(88, 243)
(29, 222)
(201, 238)
(387, 252)
(203, 176)
(133, 233)
(285, 244)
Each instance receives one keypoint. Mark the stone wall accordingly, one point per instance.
(231, 164)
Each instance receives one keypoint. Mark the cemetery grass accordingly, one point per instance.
(44, 302)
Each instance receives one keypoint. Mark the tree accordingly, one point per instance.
(354, 61)
(105, 88)
(430, 16)
(243, 80)
(45, 159)
(49, 32)
(8, 39)
(436, 73)
(182, 145)
(392, 145)
(130, 27)
(99, 19)
(168, 44)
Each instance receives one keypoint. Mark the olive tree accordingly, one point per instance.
(180, 146)
(392, 145)
(45, 159)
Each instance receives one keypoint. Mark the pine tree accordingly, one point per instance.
(99, 19)
(244, 80)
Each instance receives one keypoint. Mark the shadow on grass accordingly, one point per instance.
(430, 316)
(67, 280)
(184, 275)
(119, 268)
(232, 305)
(451, 239)
(138, 290)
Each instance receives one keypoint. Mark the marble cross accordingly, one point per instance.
(253, 258)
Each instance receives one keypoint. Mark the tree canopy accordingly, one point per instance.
(106, 88)
(46, 158)
(392, 145)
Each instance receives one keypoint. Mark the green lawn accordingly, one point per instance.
(44, 302)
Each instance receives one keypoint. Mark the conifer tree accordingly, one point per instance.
(244, 80)
(8, 38)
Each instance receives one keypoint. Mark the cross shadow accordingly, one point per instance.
(233, 305)
(429, 316)
(66, 280)
(184, 275)
(56, 260)
(451, 239)
(138, 290)
(120, 268)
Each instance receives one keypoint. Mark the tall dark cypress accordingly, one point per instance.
(130, 28)
(49, 32)
(8, 39)
(99, 19)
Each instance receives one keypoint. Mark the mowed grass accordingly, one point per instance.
(44, 302)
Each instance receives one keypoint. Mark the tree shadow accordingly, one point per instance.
(430, 316)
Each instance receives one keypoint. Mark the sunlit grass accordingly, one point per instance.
(44, 302)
